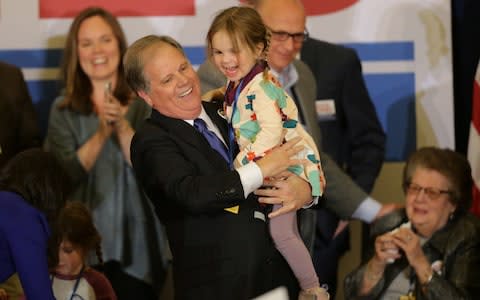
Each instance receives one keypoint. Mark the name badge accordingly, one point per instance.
(325, 109)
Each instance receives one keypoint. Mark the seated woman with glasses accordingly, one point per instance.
(430, 249)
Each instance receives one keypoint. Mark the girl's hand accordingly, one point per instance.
(280, 158)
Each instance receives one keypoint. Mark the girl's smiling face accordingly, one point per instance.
(234, 64)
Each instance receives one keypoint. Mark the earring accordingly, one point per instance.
(451, 216)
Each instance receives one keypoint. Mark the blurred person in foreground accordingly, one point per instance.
(217, 253)
(33, 189)
(431, 249)
(18, 121)
(90, 129)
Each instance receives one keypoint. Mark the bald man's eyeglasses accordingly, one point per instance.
(282, 36)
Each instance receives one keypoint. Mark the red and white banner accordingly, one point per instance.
(69, 9)
(474, 143)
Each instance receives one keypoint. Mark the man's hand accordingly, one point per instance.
(289, 190)
(386, 209)
(342, 224)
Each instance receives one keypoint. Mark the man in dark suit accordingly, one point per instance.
(18, 122)
(217, 253)
(338, 114)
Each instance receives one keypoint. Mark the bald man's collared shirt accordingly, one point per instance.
(287, 78)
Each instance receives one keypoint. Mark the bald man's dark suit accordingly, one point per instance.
(216, 254)
(18, 123)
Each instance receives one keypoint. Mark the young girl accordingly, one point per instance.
(259, 112)
(77, 236)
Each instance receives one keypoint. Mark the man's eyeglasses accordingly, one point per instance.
(282, 36)
(432, 193)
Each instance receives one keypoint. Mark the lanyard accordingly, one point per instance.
(77, 282)
(411, 287)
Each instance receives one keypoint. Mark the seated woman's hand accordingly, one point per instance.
(409, 242)
(386, 251)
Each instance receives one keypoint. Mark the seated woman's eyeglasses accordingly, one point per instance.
(297, 37)
(431, 193)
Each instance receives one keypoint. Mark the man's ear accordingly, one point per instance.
(145, 97)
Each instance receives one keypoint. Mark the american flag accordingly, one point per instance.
(474, 143)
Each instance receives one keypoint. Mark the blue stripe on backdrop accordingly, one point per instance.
(43, 93)
(33, 58)
(394, 99)
(384, 51)
(50, 58)
(392, 94)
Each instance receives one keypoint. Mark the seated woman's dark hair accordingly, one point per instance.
(39, 178)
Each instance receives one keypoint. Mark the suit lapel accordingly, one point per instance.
(214, 110)
(306, 99)
(181, 130)
(188, 134)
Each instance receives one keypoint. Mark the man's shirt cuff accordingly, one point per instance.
(251, 177)
(367, 210)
